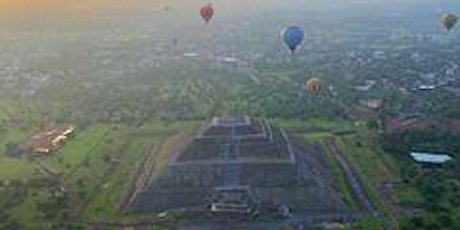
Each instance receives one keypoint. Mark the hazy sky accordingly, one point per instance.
(21, 15)
(84, 7)
(61, 25)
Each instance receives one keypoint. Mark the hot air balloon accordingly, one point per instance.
(314, 85)
(207, 12)
(449, 21)
(293, 36)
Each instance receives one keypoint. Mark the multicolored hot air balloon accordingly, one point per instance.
(314, 85)
(293, 36)
(449, 21)
(207, 12)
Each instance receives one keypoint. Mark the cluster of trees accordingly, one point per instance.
(200, 95)
(52, 203)
(439, 186)
(429, 139)
(12, 193)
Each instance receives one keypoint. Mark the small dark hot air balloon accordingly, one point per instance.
(293, 36)
(207, 12)
(449, 21)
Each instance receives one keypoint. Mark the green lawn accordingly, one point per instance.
(129, 147)
(80, 159)
(314, 125)
(371, 170)
(6, 110)
(27, 214)
(13, 108)
(102, 183)
(370, 162)
(84, 144)
(4, 115)
(317, 136)
(12, 136)
(374, 167)
(164, 127)
(15, 168)
(340, 178)
(367, 223)
(113, 187)
(408, 196)
(11, 168)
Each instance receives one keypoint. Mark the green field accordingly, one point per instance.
(12, 108)
(10, 136)
(373, 166)
(97, 163)
(114, 181)
(12, 168)
(109, 189)
(317, 136)
(7, 110)
(15, 168)
(340, 178)
(313, 126)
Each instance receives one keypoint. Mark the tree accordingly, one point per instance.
(373, 124)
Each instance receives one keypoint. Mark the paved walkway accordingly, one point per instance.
(231, 171)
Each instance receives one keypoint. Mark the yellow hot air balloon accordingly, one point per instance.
(314, 85)
(449, 21)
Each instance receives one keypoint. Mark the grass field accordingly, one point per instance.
(137, 144)
(372, 171)
(12, 136)
(110, 188)
(315, 125)
(317, 136)
(26, 212)
(98, 162)
(83, 144)
(15, 168)
(373, 166)
(408, 196)
(11, 109)
(7, 110)
(340, 178)
(367, 223)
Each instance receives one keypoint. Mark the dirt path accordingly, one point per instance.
(157, 159)
(139, 178)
